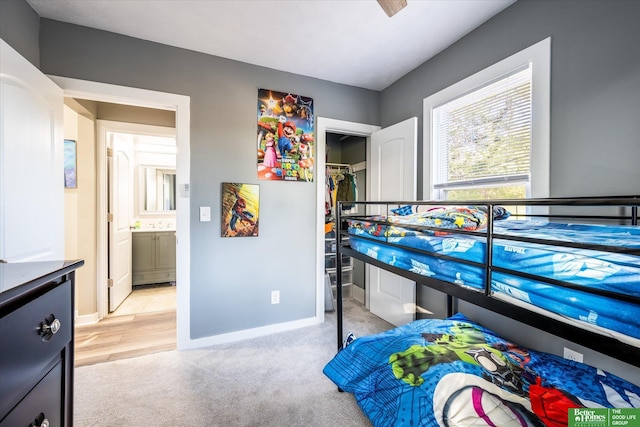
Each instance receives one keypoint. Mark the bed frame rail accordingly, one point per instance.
(628, 214)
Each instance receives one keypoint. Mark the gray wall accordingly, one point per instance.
(595, 106)
(232, 278)
(19, 26)
(595, 86)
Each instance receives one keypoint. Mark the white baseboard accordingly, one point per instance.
(248, 333)
(86, 319)
(357, 293)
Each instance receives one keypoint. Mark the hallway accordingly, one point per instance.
(144, 323)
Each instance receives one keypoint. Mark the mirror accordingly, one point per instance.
(159, 189)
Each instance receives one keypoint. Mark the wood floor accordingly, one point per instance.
(144, 324)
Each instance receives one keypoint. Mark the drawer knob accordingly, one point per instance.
(40, 421)
(50, 326)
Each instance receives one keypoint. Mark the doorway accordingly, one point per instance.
(141, 163)
(101, 92)
(141, 246)
(391, 175)
(342, 128)
(345, 179)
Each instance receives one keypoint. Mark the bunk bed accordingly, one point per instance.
(567, 266)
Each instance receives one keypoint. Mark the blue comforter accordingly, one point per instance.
(454, 372)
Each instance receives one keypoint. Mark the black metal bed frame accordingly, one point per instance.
(609, 346)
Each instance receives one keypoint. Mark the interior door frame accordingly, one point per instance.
(346, 128)
(104, 92)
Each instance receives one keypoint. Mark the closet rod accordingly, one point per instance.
(338, 165)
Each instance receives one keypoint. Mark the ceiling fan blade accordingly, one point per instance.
(391, 7)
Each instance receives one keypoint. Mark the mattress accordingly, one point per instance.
(591, 269)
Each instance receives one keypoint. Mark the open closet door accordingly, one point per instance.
(31, 162)
(392, 168)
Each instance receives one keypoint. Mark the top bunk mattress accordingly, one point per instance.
(421, 251)
(617, 272)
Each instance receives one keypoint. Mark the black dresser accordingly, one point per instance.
(36, 343)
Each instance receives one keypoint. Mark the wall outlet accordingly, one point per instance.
(275, 297)
(572, 355)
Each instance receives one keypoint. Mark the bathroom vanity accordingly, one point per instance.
(153, 257)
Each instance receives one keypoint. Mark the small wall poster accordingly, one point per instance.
(240, 209)
(286, 137)
(70, 164)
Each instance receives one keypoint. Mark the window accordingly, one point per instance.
(487, 137)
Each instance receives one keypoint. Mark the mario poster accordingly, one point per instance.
(240, 209)
(285, 136)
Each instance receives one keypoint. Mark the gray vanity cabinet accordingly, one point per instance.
(154, 257)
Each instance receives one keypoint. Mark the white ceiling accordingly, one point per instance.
(345, 41)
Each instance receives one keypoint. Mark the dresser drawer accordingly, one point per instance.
(44, 402)
(28, 348)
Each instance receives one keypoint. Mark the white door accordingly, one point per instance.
(31, 162)
(392, 169)
(120, 173)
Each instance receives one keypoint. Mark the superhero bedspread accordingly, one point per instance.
(613, 277)
(454, 372)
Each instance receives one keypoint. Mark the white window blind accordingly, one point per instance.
(484, 136)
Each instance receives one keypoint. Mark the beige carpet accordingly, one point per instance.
(275, 380)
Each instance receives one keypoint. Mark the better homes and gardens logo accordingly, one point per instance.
(603, 417)
(583, 417)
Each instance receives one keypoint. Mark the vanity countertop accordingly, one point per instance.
(153, 230)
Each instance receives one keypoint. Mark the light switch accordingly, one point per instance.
(184, 190)
(205, 213)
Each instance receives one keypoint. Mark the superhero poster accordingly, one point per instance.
(240, 210)
(285, 136)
